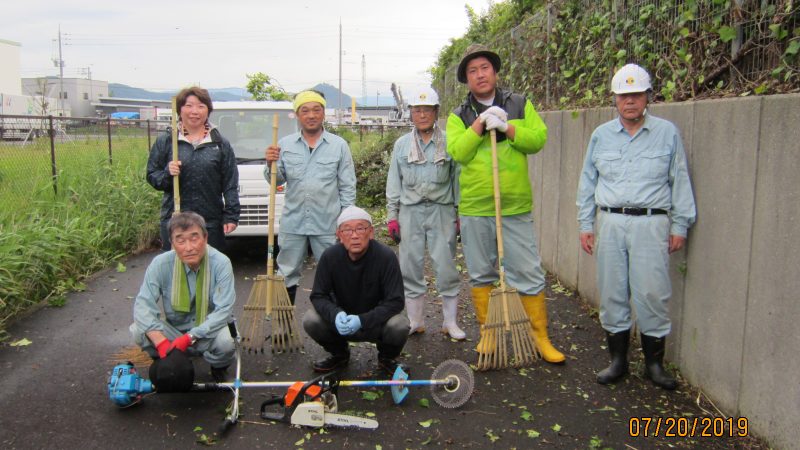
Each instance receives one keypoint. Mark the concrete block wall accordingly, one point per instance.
(735, 308)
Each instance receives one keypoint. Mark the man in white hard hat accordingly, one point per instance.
(357, 296)
(320, 182)
(635, 173)
(420, 198)
(520, 132)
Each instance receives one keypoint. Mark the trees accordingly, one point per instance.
(262, 87)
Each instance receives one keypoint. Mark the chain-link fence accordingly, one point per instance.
(41, 157)
(563, 56)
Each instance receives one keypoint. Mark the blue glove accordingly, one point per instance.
(341, 323)
(353, 323)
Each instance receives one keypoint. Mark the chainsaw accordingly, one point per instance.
(313, 404)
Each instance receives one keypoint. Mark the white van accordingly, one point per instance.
(248, 126)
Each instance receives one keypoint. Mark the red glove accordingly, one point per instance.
(163, 348)
(458, 226)
(394, 230)
(182, 343)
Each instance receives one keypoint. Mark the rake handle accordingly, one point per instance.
(273, 185)
(497, 208)
(176, 185)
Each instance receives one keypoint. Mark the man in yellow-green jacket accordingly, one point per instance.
(520, 132)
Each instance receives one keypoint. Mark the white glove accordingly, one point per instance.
(496, 123)
(496, 111)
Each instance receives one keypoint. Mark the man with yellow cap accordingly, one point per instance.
(635, 173)
(317, 168)
(520, 132)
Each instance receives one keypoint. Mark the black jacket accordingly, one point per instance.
(208, 175)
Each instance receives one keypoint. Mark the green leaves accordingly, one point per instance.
(726, 33)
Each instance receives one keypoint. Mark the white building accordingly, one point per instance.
(78, 94)
(9, 67)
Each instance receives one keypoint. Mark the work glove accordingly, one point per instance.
(394, 230)
(458, 226)
(353, 323)
(183, 342)
(163, 348)
(496, 111)
(496, 123)
(341, 323)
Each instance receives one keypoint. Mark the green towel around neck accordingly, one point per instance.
(181, 301)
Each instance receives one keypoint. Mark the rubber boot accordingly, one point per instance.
(450, 314)
(415, 308)
(653, 349)
(618, 348)
(480, 299)
(537, 311)
(292, 291)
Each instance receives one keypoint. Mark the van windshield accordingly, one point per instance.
(250, 131)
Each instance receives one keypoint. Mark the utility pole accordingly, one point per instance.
(88, 72)
(60, 76)
(339, 109)
(364, 78)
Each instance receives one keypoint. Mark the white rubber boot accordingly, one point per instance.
(450, 313)
(415, 308)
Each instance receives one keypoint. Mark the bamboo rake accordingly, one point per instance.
(506, 316)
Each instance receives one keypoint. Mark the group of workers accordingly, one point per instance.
(634, 183)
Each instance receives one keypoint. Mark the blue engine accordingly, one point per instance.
(126, 387)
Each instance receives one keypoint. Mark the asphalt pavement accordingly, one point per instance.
(53, 391)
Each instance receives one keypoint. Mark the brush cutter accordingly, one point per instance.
(451, 385)
(506, 316)
(268, 296)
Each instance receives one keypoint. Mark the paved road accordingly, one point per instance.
(53, 391)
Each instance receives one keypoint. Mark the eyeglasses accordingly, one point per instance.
(359, 230)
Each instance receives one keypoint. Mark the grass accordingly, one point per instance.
(50, 242)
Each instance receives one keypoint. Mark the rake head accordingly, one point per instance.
(255, 314)
(285, 333)
(506, 321)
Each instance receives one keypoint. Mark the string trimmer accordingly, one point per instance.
(451, 386)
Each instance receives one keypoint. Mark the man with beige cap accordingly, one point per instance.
(357, 296)
(320, 178)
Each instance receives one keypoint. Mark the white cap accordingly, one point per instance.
(353, 213)
(424, 96)
(630, 79)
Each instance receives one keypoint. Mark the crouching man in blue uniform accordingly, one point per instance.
(194, 283)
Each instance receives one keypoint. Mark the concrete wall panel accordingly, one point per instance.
(572, 143)
(724, 155)
(536, 168)
(551, 163)
(682, 115)
(770, 390)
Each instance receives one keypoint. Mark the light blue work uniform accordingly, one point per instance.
(420, 197)
(214, 341)
(320, 183)
(648, 170)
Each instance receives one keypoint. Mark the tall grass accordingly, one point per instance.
(49, 243)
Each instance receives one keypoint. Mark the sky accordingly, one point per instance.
(169, 44)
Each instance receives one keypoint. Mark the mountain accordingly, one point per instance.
(220, 95)
(331, 95)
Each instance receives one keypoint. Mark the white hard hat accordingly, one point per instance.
(630, 79)
(424, 96)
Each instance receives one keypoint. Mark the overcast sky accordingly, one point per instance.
(169, 44)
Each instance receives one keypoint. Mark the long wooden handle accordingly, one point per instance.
(176, 185)
(273, 183)
(497, 208)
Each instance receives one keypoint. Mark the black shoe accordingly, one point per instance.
(389, 366)
(331, 363)
(653, 349)
(618, 348)
(219, 374)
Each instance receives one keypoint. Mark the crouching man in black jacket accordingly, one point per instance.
(357, 296)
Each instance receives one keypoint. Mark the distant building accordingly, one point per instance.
(9, 67)
(78, 94)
